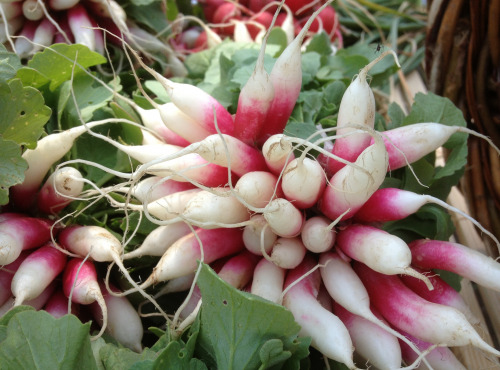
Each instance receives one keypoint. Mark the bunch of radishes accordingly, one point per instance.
(236, 192)
(29, 25)
(248, 21)
(46, 269)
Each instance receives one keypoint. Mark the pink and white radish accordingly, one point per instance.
(278, 152)
(286, 77)
(36, 273)
(57, 305)
(81, 26)
(268, 279)
(59, 190)
(317, 234)
(205, 244)
(283, 218)
(442, 293)
(378, 249)
(303, 182)
(257, 188)
(37, 303)
(431, 322)
(154, 187)
(352, 186)
(159, 240)
(287, 253)
(81, 286)
(22, 233)
(258, 236)
(6, 274)
(457, 258)
(123, 322)
(329, 335)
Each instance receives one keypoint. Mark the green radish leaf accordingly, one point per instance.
(12, 168)
(36, 340)
(320, 43)
(236, 325)
(58, 62)
(114, 357)
(9, 64)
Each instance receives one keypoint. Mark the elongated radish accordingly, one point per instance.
(430, 322)
(6, 274)
(258, 236)
(123, 322)
(357, 107)
(180, 284)
(155, 187)
(268, 280)
(317, 235)
(283, 218)
(288, 253)
(57, 305)
(254, 100)
(59, 189)
(440, 358)
(44, 34)
(257, 188)
(381, 251)
(442, 293)
(238, 270)
(382, 353)
(37, 303)
(286, 77)
(390, 204)
(159, 240)
(48, 151)
(457, 258)
(303, 182)
(22, 44)
(351, 186)
(346, 288)
(21, 233)
(81, 26)
(181, 258)
(329, 335)
(36, 272)
(100, 245)
(407, 144)
(81, 286)
(278, 152)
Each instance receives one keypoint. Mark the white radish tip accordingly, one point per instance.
(411, 272)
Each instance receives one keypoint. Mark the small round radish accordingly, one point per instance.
(288, 253)
(258, 236)
(284, 218)
(317, 235)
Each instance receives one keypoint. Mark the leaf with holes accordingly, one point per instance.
(24, 113)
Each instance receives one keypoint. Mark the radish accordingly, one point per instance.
(440, 358)
(123, 322)
(430, 322)
(159, 240)
(6, 274)
(37, 303)
(303, 182)
(383, 352)
(381, 251)
(286, 77)
(352, 186)
(101, 246)
(181, 258)
(59, 190)
(457, 258)
(224, 13)
(442, 293)
(317, 234)
(278, 152)
(346, 288)
(62, 4)
(357, 107)
(32, 10)
(283, 218)
(21, 233)
(44, 34)
(287, 253)
(401, 142)
(257, 188)
(36, 272)
(23, 45)
(255, 99)
(81, 26)
(238, 270)
(329, 335)
(155, 187)
(268, 279)
(80, 285)
(179, 284)
(48, 151)
(258, 236)
(57, 305)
